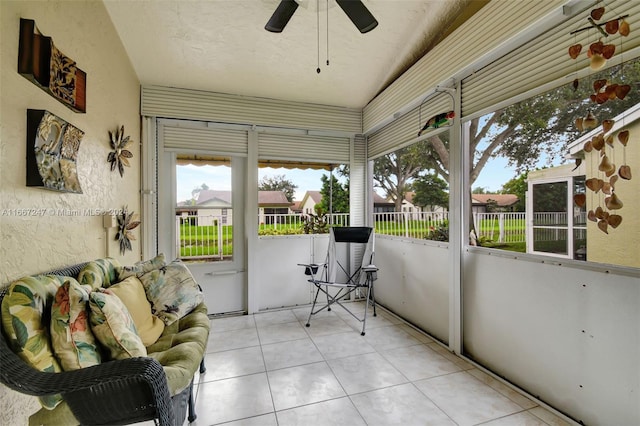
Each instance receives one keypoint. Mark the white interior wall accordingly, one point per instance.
(413, 282)
(36, 243)
(564, 333)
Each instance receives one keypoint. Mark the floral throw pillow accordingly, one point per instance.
(140, 268)
(72, 340)
(23, 308)
(113, 326)
(172, 291)
(99, 273)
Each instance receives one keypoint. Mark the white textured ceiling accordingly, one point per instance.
(222, 46)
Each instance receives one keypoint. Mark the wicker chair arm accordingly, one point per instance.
(89, 389)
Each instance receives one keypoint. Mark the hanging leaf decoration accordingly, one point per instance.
(126, 223)
(580, 199)
(602, 225)
(623, 137)
(598, 142)
(625, 172)
(596, 14)
(608, 50)
(612, 27)
(599, 84)
(574, 51)
(622, 90)
(614, 220)
(590, 121)
(624, 28)
(607, 125)
(613, 202)
(120, 154)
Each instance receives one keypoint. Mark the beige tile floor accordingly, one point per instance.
(269, 369)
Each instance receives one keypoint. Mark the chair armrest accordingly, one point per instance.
(101, 394)
(311, 268)
(369, 268)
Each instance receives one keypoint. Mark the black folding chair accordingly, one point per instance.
(337, 280)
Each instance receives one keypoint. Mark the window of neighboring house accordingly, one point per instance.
(541, 160)
(420, 171)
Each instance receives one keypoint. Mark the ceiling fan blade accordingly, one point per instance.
(359, 14)
(281, 16)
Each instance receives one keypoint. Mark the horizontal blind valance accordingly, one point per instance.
(322, 149)
(170, 102)
(212, 140)
(485, 31)
(545, 60)
(405, 129)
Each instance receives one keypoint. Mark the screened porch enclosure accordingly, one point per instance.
(563, 330)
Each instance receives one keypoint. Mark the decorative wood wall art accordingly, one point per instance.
(41, 62)
(52, 149)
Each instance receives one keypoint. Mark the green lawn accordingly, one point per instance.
(203, 240)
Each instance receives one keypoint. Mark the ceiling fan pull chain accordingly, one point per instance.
(318, 32)
(327, 32)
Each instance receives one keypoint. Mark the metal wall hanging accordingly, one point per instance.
(40, 62)
(52, 149)
(127, 222)
(120, 154)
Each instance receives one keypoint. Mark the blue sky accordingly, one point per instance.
(189, 177)
(492, 177)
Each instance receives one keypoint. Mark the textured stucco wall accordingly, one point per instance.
(619, 246)
(29, 244)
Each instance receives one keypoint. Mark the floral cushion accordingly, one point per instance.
(140, 268)
(72, 340)
(172, 291)
(23, 307)
(99, 273)
(113, 326)
(131, 293)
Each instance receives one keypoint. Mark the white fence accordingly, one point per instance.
(207, 237)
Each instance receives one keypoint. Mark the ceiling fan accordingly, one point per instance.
(355, 10)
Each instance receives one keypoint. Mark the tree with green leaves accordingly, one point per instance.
(538, 127)
(430, 191)
(394, 172)
(517, 186)
(523, 133)
(338, 193)
(278, 183)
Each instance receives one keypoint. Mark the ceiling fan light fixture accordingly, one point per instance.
(281, 16)
(359, 14)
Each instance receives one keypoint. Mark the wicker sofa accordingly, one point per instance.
(115, 391)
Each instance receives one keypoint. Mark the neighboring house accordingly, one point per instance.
(382, 205)
(616, 246)
(214, 205)
(271, 204)
(309, 201)
(483, 203)
(296, 208)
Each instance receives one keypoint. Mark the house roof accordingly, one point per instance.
(209, 194)
(272, 198)
(621, 120)
(379, 200)
(213, 198)
(502, 200)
